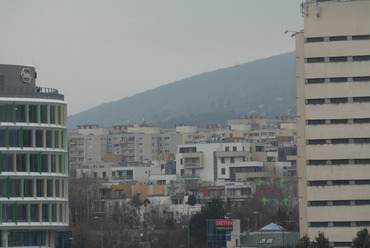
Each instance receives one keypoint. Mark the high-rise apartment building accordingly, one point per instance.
(333, 108)
(33, 156)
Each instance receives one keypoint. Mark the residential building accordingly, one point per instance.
(33, 156)
(212, 162)
(333, 102)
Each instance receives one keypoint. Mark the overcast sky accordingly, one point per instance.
(96, 51)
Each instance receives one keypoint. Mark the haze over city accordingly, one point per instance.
(95, 52)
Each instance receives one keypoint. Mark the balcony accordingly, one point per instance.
(31, 92)
(232, 154)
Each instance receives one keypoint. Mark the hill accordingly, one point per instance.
(264, 86)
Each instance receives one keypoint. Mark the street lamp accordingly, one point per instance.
(64, 240)
(101, 231)
(255, 212)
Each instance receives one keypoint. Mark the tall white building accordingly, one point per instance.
(333, 117)
(33, 156)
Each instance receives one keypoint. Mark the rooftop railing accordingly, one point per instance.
(32, 92)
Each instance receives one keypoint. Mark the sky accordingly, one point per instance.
(96, 51)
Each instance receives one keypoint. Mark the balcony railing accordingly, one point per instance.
(32, 92)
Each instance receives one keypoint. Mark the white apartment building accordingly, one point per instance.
(213, 162)
(333, 108)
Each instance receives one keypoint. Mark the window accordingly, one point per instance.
(317, 142)
(315, 122)
(342, 223)
(315, 80)
(315, 39)
(361, 99)
(338, 79)
(315, 101)
(317, 183)
(362, 182)
(319, 224)
(339, 161)
(362, 140)
(226, 149)
(315, 60)
(362, 161)
(362, 202)
(361, 58)
(223, 171)
(340, 141)
(21, 163)
(338, 59)
(339, 100)
(232, 160)
(316, 162)
(222, 160)
(337, 38)
(361, 79)
(318, 203)
(339, 121)
(341, 203)
(362, 120)
(234, 148)
(360, 37)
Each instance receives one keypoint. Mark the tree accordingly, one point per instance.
(304, 242)
(362, 239)
(321, 241)
(192, 200)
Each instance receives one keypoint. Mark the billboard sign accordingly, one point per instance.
(224, 225)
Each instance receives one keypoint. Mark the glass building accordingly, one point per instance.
(33, 156)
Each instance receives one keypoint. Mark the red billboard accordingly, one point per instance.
(226, 225)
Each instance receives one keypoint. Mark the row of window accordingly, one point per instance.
(338, 161)
(338, 121)
(33, 113)
(32, 162)
(338, 100)
(337, 38)
(339, 224)
(337, 80)
(31, 187)
(339, 203)
(338, 182)
(337, 59)
(338, 141)
(28, 238)
(39, 138)
(30, 212)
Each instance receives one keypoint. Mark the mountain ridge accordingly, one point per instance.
(264, 86)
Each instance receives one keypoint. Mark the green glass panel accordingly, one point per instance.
(28, 156)
(50, 210)
(21, 138)
(63, 166)
(38, 114)
(29, 212)
(53, 139)
(27, 113)
(8, 187)
(13, 113)
(1, 163)
(22, 188)
(39, 162)
(7, 137)
(16, 213)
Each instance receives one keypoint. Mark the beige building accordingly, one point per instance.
(333, 108)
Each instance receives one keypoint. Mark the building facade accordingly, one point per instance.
(333, 103)
(33, 156)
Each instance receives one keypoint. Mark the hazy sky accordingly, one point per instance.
(96, 51)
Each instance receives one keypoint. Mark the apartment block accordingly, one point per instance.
(333, 103)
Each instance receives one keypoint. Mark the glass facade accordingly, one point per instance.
(33, 175)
